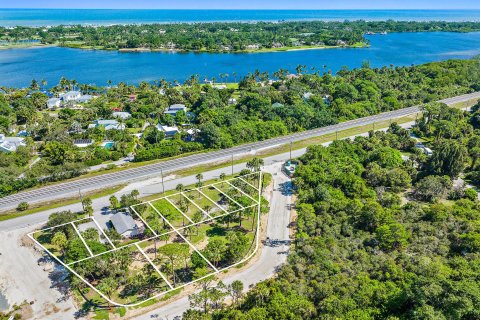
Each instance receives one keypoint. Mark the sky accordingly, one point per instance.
(244, 4)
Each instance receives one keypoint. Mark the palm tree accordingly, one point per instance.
(180, 187)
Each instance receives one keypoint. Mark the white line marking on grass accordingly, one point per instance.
(226, 195)
(153, 265)
(256, 238)
(60, 225)
(196, 205)
(103, 232)
(171, 202)
(83, 240)
(191, 245)
(246, 194)
(153, 231)
(219, 206)
(251, 185)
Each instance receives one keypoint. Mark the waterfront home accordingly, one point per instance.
(169, 131)
(107, 125)
(84, 99)
(126, 226)
(253, 47)
(220, 86)
(70, 96)
(10, 144)
(82, 143)
(174, 108)
(121, 114)
(53, 103)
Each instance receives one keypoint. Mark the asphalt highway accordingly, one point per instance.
(69, 188)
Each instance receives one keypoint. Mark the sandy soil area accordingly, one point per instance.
(26, 275)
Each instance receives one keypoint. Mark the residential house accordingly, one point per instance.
(169, 131)
(82, 143)
(126, 226)
(53, 103)
(232, 101)
(10, 144)
(121, 114)
(174, 108)
(70, 96)
(84, 99)
(107, 124)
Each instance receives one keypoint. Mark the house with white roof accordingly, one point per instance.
(82, 143)
(121, 114)
(70, 96)
(107, 125)
(10, 144)
(84, 99)
(169, 131)
(53, 103)
(174, 108)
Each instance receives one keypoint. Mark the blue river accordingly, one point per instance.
(49, 17)
(19, 66)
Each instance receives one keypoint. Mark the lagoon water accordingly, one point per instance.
(46, 17)
(19, 66)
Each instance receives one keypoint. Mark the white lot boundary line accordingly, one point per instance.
(30, 235)
(196, 205)
(71, 270)
(157, 236)
(185, 239)
(209, 185)
(103, 232)
(60, 225)
(245, 194)
(154, 266)
(226, 195)
(216, 204)
(251, 185)
(83, 240)
(153, 231)
(120, 248)
(176, 208)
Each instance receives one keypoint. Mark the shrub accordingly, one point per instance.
(22, 206)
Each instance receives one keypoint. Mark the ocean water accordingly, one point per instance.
(45, 17)
(19, 66)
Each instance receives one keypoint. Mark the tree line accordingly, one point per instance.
(225, 36)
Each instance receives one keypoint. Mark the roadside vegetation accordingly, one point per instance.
(222, 36)
(384, 230)
(258, 108)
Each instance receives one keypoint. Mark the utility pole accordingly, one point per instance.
(374, 126)
(232, 164)
(81, 198)
(163, 186)
(336, 135)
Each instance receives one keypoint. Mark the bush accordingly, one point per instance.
(471, 194)
(22, 206)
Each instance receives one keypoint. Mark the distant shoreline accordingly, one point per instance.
(146, 50)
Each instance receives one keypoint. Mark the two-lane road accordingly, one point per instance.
(69, 188)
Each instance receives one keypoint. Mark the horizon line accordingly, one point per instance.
(253, 9)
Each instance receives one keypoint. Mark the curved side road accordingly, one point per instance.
(110, 179)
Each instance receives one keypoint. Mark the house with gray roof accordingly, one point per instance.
(126, 226)
(174, 108)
